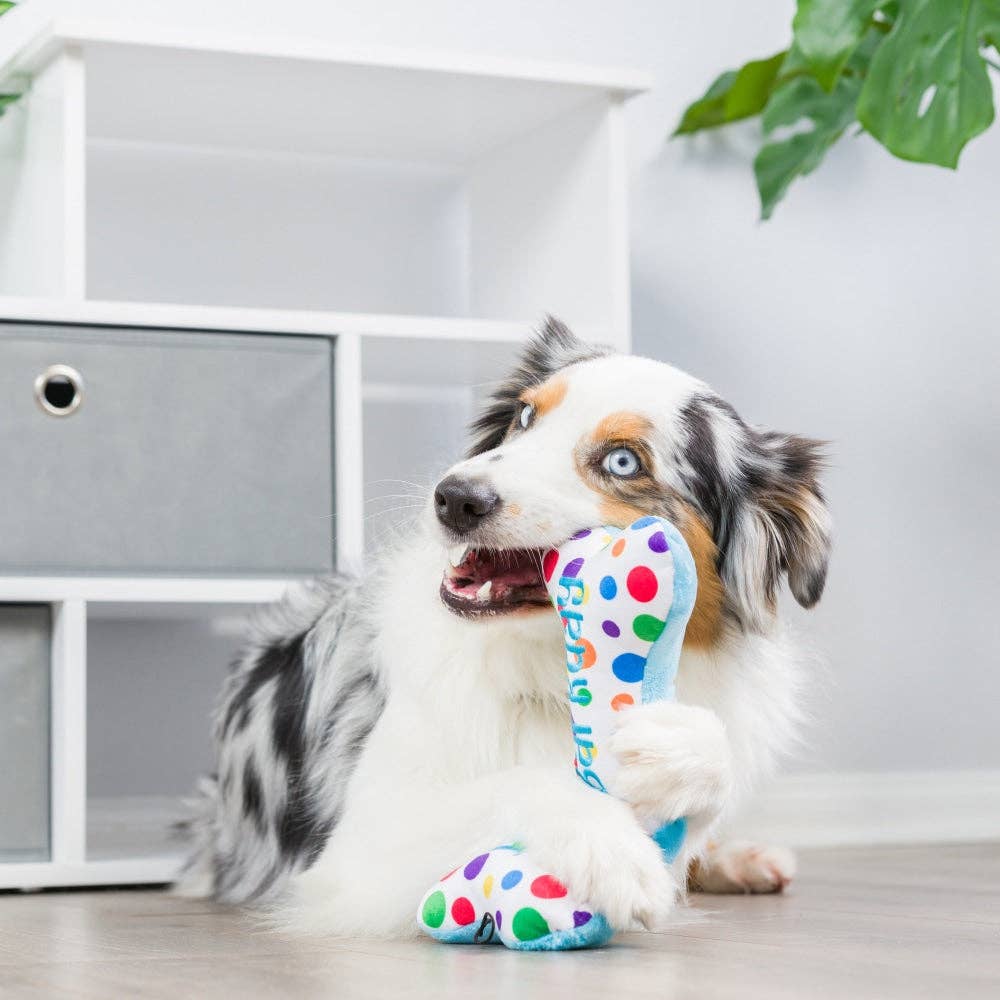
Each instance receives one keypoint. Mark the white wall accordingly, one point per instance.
(862, 313)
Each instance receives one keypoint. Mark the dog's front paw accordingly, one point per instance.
(606, 859)
(675, 761)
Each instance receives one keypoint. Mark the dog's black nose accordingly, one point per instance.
(463, 504)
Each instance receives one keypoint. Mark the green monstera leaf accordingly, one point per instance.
(5, 5)
(735, 95)
(929, 92)
(802, 121)
(914, 73)
(828, 31)
(823, 117)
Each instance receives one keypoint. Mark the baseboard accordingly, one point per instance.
(908, 807)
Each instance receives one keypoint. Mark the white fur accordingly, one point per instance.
(473, 748)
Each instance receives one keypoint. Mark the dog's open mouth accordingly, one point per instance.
(494, 581)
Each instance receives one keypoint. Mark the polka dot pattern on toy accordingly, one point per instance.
(628, 667)
(523, 907)
(474, 867)
(511, 879)
(528, 924)
(433, 910)
(549, 563)
(658, 542)
(641, 583)
(608, 638)
(462, 911)
(547, 887)
(649, 628)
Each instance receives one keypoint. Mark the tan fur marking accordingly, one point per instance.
(618, 513)
(514, 509)
(705, 626)
(622, 426)
(547, 396)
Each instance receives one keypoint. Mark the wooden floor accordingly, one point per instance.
(880, 923)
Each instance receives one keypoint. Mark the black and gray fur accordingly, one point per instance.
(759, 493)
(292, 721)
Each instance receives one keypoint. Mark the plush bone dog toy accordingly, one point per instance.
(624, 598)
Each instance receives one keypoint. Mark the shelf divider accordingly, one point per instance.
(68, 734)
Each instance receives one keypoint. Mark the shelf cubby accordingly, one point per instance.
(420, 213)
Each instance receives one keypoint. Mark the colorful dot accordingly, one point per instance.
(433, 911)
(573, 568)
(581, 917)
(589, 653)
(462, 911)
(628, 667)
(610, 628)
(618, 548)
(547, 887)
(511, 879)
(488, 886)
(582, 533)
(641, 583)
(621, 701)
(608, 587)
(643, 522)
(475, 866)
(648, 628)
(549, 563)
(528, 924)
(658, 542)
(498, 919)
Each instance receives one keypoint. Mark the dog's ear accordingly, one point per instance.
(761, 492)
(552, 348)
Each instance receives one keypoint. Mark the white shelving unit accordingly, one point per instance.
(422, 212)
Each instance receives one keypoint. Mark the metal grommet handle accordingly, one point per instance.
(59, 390)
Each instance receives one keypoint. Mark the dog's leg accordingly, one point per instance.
(741, 867)
(675, 761)
(395, 841)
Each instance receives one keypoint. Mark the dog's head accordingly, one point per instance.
(579, 436)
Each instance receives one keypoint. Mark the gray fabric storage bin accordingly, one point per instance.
(24, 732)
(200, 453)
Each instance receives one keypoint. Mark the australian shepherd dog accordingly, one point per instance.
(378, 731)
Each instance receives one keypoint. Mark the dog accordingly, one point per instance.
(377, 731)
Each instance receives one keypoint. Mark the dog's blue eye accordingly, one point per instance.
(527, 416)
(621, 462)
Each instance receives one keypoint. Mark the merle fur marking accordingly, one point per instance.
(765, 507)
(294, 717)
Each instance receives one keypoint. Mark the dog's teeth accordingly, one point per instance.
(483, 594)
(456, 554)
